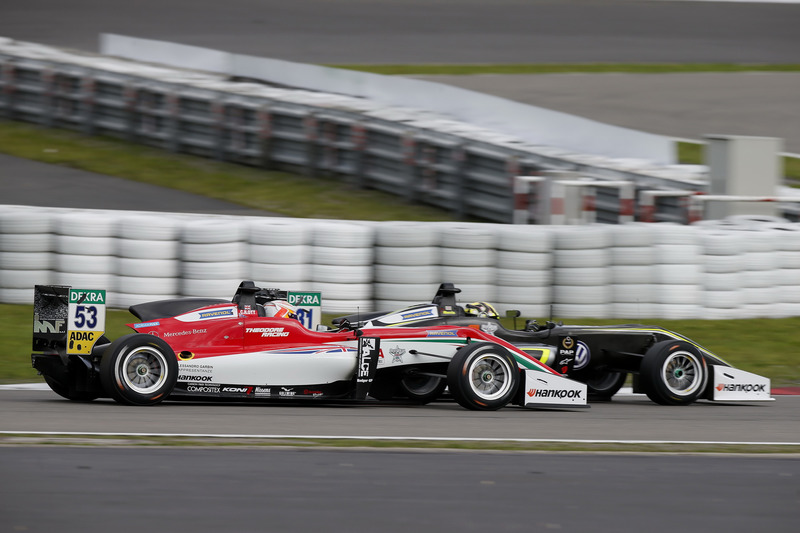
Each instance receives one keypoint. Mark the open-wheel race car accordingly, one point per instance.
(252, 348)
(670, 368)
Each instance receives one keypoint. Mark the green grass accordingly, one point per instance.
(593, 68)
(277, 192)
(551, 446)
(764, 346)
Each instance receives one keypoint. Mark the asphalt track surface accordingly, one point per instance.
(684, 106)
(631, 417)
(25, 182)
(93, 490)
(68, 488)
(429, 31)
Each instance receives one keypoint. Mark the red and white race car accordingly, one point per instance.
(215, 349)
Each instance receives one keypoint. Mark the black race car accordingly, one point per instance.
(670, 368)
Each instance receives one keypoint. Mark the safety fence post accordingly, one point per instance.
(526, 210)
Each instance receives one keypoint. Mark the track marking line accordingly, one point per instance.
(387, 438)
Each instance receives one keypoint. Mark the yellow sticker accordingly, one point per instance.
(82, 342)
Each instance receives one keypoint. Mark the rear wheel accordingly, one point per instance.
(422, 389)
(139, 369)
(673, 373)
(483, 376)
(384, 388)
(64, 390)
(602, 385)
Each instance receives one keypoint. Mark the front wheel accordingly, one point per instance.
(673, 373)
(483, 376)
(139, 369)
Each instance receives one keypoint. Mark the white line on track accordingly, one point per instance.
(375, 437)
(740, 1)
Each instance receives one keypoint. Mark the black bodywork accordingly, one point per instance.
(600, 356)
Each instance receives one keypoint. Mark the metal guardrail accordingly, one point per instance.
(446, 170)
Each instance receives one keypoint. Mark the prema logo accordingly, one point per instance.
(747, 387)
(553, 393)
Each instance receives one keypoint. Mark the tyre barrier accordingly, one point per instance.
(741, 267)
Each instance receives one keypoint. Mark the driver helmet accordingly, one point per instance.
(480, 309)
(280, 309)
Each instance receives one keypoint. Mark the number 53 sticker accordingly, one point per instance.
(86, 321)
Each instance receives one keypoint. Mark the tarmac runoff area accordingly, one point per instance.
(677, 105)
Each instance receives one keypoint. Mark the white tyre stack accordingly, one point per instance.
(789, 260)
(148, 268)
(631, 271)
(723, 265)
(86, 246)
(213, 257)
(280, 254)
(341, 268)
(581, 274)
(468, 255)
(524, 274)
(26, 257)
(678, 271)
(760, 278)
(407, 269)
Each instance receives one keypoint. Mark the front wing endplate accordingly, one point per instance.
(549, 390)
(733, 385)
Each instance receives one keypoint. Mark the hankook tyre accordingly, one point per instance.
(483, 376)
(139, 369)
(602, 385)
(422, 389)
(63, 390)
(673, 373)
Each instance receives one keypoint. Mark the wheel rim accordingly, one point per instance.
(143, 370)
(682, 373)
(490, 377)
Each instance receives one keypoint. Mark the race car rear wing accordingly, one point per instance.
(67, 320)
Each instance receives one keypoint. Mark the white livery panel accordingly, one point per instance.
(299, 366)
(543, 389)
(734, 385)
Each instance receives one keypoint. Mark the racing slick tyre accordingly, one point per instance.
(139, 369)
(422, 389)
(673, 373)
(384, 388)
(483, 377)
(64, 384)
(63, 390)
(602, 385)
